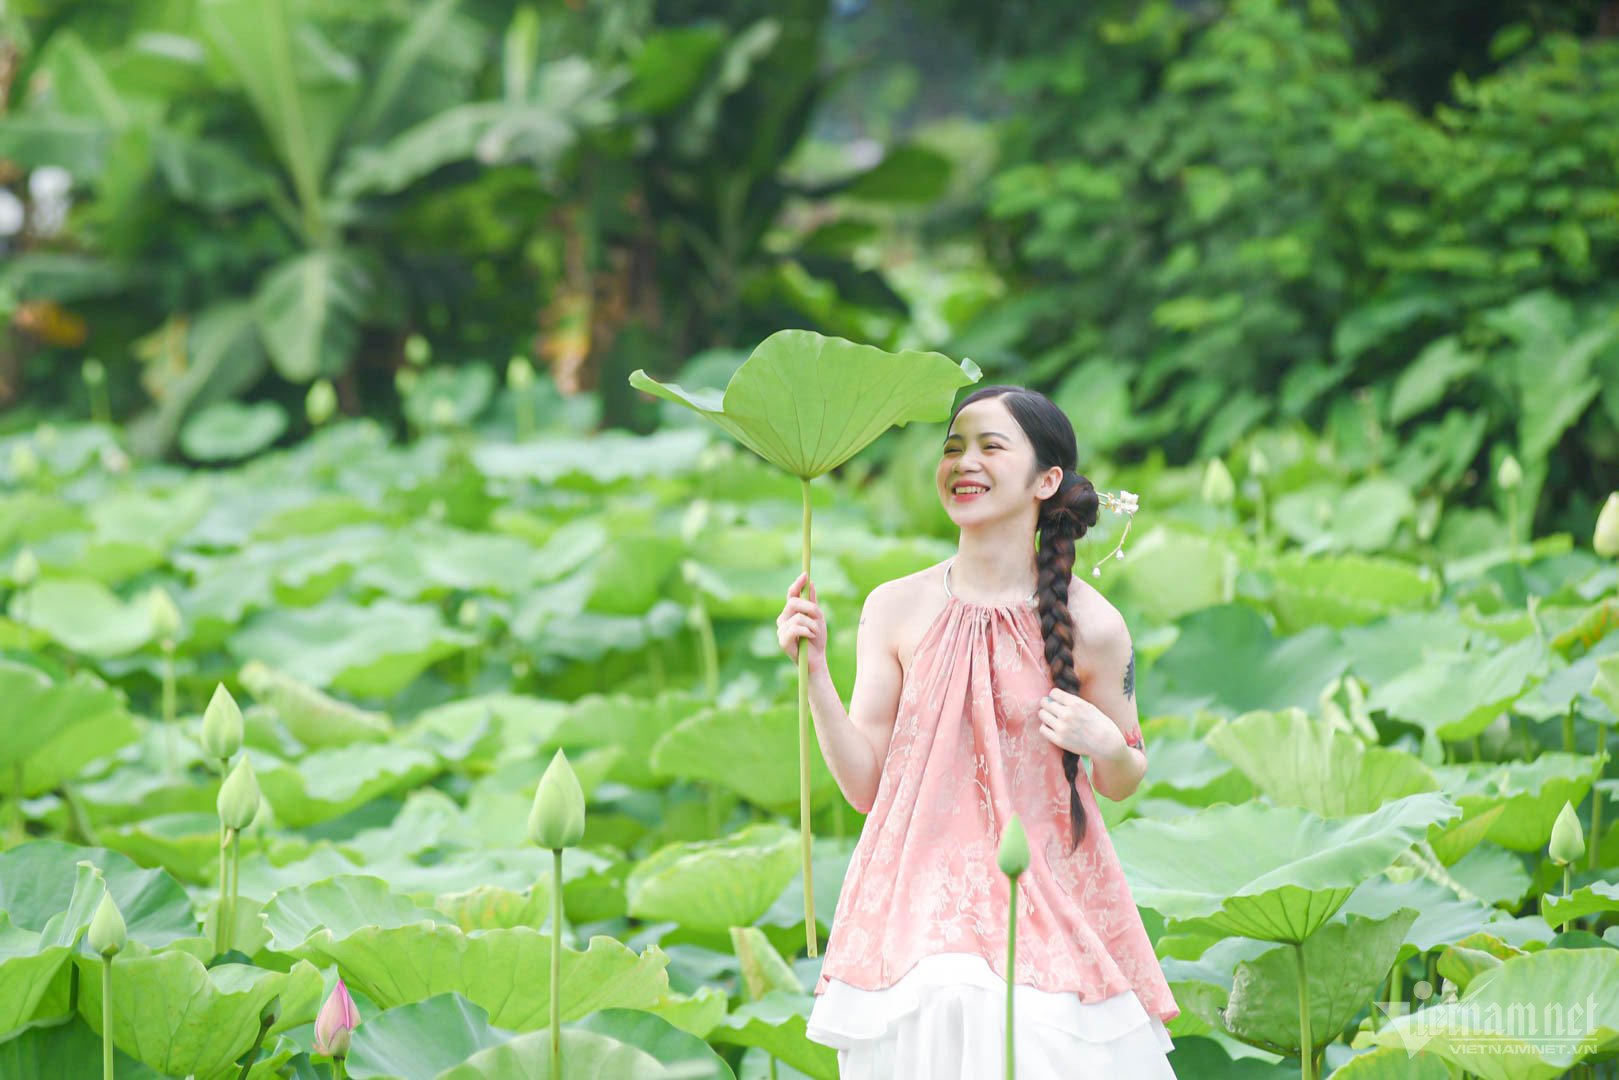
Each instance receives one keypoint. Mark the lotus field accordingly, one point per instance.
(274, 736)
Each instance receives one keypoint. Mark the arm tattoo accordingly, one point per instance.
(1130, 675)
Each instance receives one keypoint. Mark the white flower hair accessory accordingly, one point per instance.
(1125, 502)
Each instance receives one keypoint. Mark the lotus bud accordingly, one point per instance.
(24, 462)
(442, 412)
(107, 930)
(239, 797)
(467, 613)
(1568, 838)
(418, 351)
(337, 1020)
(271, 1012)
(1510, 474)
(519, 373)
(94, 373)
(25, 569)
(1258, 463)
(558, 818)
(165, 616)
(1013, 856)
(1605, 541)
(1218, 487)
(222, 725)
(320, 404)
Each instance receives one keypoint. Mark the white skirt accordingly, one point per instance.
(945, 1019)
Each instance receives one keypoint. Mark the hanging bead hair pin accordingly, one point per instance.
(1125, 503)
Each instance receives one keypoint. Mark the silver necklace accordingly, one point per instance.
(947, 591)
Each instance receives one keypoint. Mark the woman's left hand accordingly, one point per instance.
(1072, 723)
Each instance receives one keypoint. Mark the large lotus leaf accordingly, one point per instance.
(1363, 517)
(1444, 917)
(420, 1040)
(1268, 872)
(1388, 647)
(1298, 762)
(1493, 874)
(596, 463)
(330, 783)
(29, 961)
(1225, 660)
(66, 1050)
(1188, 771)
(1570, 996)
(436, 560)
(1345, 964)
(696, 1013)
(808, 403)
(1533, 793)
(38, 881)
(715, 884)
(373, 651)
(1605, 683)
(227, 430)
(182, 1018)
(490, 907)
(1456, 695)
(1344, 590)
(584, 1053)
(1387, 1063)
(1592, 899)
(1170, 573)
(314, 718)
(84, 716)
(1566, 687)
(110, 562)
(84, 616)
(630, 722)
(686, 1054)
(185, 844)
(776, 1023)
(753, 752)
(396, 952)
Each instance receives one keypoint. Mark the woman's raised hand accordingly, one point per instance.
(801, 618)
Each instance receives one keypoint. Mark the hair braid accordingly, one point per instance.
(1064, 518)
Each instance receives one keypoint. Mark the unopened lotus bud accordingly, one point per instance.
(1509, 474)
(1218, 487)
(271, 1012)
(222, 725)
(1568, 838)
(467, 614)
(442, 412)
(1013, 856)
(337, 1020)
(417, 350)
(165, 616)
(1605, 541)
(558, 818)
(107, 930)
(25, 569)
(94, 373)
(519, 373)
(1258, 463)
(24, 462)
(320, 404)
(239, 797)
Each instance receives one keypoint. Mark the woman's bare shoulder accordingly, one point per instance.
(1094, 616)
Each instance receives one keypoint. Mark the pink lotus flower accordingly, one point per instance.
(338, 1017)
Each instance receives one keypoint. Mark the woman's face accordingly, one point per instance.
(987, 448)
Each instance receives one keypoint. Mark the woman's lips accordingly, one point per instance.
(968, 497)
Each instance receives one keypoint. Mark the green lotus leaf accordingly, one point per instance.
(373, 651)
(490, 907)
(1362, 517)
(420, 1040)
(1486, 1032)
(715, 884)
(584, 1053)
(596, 463)
(66, 1050)
(1389, 647)
(626, 721)
(181, 1018)
(762, 967)
(697, 1013)
(29, 961)
(684, 1053)
(753, 752)
(39, 880)
(1171, 573)
(227, 430)
(1212, 664)
(1494, 875)
(776, 1024)
(1387, 1063)
(808, 403)
(186, 845)
(1298, 762)
(1268, 872)
(1456, 695)
(1592, 899)
(1443, 916)
(1344, 590)
(1533, 793)
(84, 616)
(1345, 964)
(312, 717)
(431, 560)
(1461, 965)
(423, 822)
(58, 727)
(329, 783)
(1189, 772)
(395, 953)
(1461, 837)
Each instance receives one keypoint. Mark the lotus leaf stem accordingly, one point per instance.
(1306, 1040)
(106, 1018)
(1594, 841)
(1011, 966)
(253, 1053)
(805, 749)
(556, 964)
(170, 751)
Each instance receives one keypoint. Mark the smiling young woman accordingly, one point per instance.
(980, 683)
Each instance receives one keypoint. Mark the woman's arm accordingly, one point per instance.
(1110, 686)
(855, 743)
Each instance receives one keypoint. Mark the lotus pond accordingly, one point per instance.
(1377, 730)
